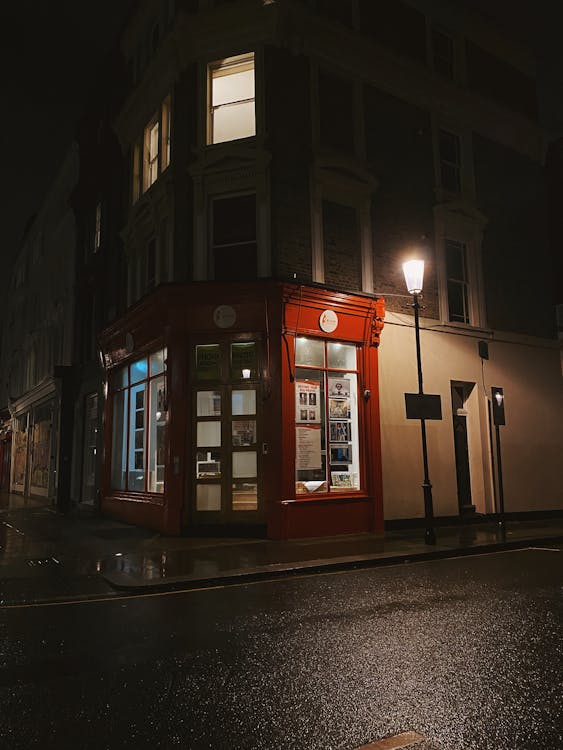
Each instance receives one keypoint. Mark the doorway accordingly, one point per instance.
(460, 393)
(226, 435)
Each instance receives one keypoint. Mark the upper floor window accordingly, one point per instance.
(98, 227)
(231, 99)
(151, 154)
(457, 281)
(234, 246)
(443, 54)
(450, 161)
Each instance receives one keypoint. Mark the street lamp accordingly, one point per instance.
(414, 273)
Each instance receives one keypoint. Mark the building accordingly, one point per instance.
(37, 348)
(278, 160)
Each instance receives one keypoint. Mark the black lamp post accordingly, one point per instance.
(414, 273)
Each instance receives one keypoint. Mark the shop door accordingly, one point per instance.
(461, 447)
(226, 435)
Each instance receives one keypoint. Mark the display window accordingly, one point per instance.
(140, 425)
(327, 456)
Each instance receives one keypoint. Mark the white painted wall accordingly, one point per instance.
(532, 440)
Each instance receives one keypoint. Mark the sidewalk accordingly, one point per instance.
(46, 557)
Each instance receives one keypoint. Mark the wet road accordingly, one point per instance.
(466, 652)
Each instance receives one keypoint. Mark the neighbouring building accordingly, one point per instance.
(251, 195)
(37, 348)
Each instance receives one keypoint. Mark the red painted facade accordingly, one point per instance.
(179, 317)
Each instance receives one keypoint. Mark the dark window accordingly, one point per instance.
(151, 264)
(450, 161)
(234, 238)
(443, 54)
(336, 112)
(341, 246)
(456, 270)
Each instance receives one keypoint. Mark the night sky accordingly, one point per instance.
(52, 50)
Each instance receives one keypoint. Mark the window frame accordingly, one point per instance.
(146, 167)
(230, 65)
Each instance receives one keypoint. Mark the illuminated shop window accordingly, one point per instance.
(140, 425)
(231, 96)
(326, 417)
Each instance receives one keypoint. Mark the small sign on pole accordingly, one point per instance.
(423, 406)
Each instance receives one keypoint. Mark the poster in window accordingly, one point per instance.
(339, 408)
(308, 447)
(341, 454)
(341, 479)
(339, 432)
(338, 387)
(307, 401)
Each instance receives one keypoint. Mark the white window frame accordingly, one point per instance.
(223, 68)
(460, 222)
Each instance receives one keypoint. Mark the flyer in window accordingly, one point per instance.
(308, 447)
(339, 408)
(338, 387)
(341, 479)
(339, 432)
(307, 401)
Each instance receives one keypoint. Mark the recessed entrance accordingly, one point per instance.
(460, 394)
(226, 482)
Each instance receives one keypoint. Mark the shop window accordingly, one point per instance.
(140, 425)
(450, 161)
(231, 95)
(326, 417)
(151, 153)
(234, 247)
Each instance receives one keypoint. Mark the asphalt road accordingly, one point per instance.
(466, 652)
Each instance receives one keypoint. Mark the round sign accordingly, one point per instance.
(328, 321)
(224, 316)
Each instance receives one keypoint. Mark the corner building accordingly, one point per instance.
(283, 159)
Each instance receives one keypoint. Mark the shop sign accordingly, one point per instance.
(328, 321)
(224, 316)
(208, 362)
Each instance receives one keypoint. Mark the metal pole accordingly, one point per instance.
(429, 534)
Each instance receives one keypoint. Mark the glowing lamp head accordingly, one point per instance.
(245, 373)
(414, 273)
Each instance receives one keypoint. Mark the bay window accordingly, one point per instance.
(326, 417)
(140, 425)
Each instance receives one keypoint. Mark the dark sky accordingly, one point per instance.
(52, 49)
(50, 52)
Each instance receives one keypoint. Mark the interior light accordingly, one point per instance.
(245, 373)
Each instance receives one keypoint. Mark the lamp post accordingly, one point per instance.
(414, 273)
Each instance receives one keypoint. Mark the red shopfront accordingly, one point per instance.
(244, 407)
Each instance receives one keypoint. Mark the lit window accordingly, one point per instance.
(326, 417)
(140, 425)
(151, 153)
(98, 227)
(231, 95)
(457, 280)
(450, 161)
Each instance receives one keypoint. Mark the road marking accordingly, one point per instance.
(394, 743)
